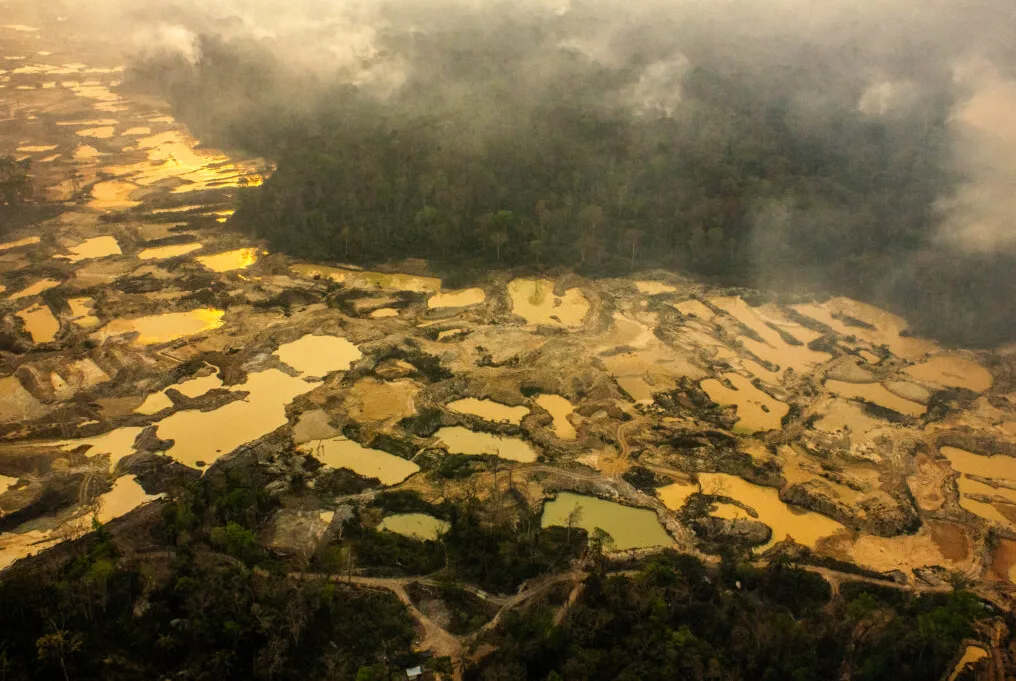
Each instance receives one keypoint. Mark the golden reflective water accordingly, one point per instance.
(163, 252)
(35, 289)
(461, 440)
(162, 328)
(630, 528)
(489, 410)
(675, 495)
(534, 300)
(126, 495)
(462, 298)
(190, 387)
(102, 133)
(205, 436)
(339, 452)
(319, 355)
(806, 527)
(113, 195)
(40, 323)
(82, 310)
(560, 409)
(415, 525)
(96, 247)
(240, 259)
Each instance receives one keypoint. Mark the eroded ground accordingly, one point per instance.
(141, 338)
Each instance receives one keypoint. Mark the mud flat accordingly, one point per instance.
(339, 452)
(27, 241)
(953, 372)
(414, 525)
(534, 301)
(364, 280)
(756, 410)
(774, 347)
(876, 393)
(16, 403)
(630, 528)
(489, 410)
(461, 440)
(463, 298)
(653, 288)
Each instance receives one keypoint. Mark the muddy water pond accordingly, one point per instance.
(319, 355)
(559, 408)
(463, 298)
(953, 372)
(534, 300)
(204, 436)
(876, 393)
(806, 527)
(630, 528)
(675, 495)
(414, 525)
(461, 440)
(162, 328)
(98, 247)
(116, 444)
(164, 252)
(756, 410)
(240, 259)
(35, 289)
(126, 495)
(338, 452)
(999, 466)
(489, 410)
(191, 387)
(40, 323)
(82, 310)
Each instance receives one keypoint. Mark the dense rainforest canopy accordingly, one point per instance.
(501, 138)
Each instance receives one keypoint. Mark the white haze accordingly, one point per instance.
(342, 41)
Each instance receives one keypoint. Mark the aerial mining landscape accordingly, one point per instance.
(175, 388)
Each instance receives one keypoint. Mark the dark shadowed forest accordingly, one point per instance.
(771, 157)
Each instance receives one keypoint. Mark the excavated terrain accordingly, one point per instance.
(142, 342)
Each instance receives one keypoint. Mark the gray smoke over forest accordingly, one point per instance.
(935, 77)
